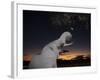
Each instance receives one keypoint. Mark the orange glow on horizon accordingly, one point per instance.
(71, 55)
(27, 57)
(64, 56)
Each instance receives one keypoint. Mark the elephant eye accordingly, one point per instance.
(68, 40)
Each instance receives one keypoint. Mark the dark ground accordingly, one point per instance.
(78, 61)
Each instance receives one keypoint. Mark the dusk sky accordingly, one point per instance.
(41, 27)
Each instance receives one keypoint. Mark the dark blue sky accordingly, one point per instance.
(40, 28)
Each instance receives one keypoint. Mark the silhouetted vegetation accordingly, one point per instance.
(78, 61)
(26, 64)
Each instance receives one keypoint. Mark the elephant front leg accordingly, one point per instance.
(55, 65)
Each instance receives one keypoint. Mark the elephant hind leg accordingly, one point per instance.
(54, 66)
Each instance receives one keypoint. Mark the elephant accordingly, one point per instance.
(50, 52)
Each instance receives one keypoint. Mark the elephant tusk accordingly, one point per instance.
(68, 44)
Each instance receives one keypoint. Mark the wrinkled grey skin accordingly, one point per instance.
(50, 52)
